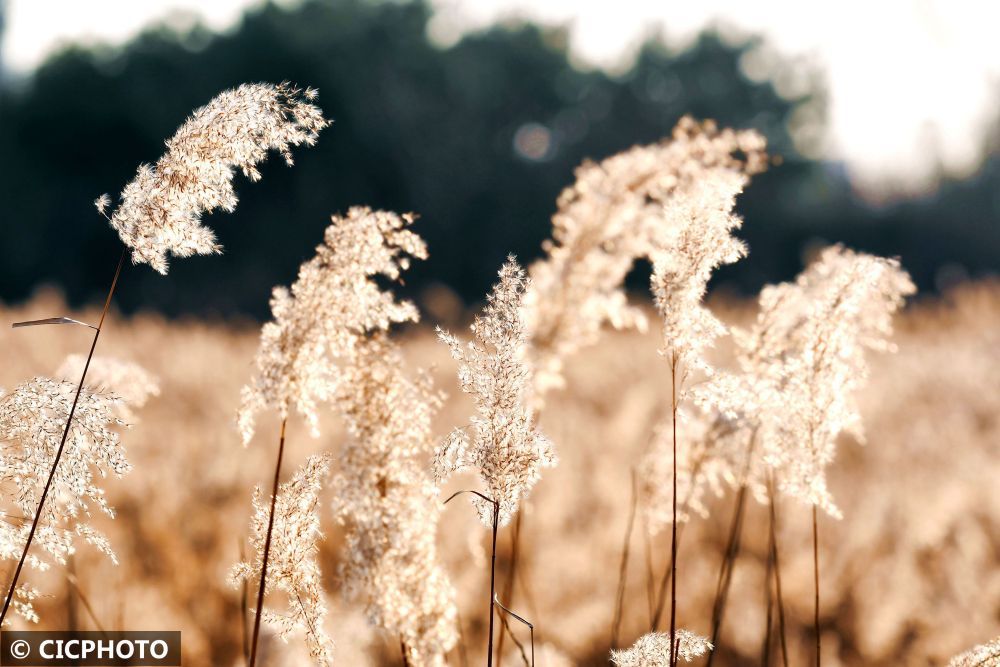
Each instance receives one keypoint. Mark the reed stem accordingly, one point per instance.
(508, 584)
(673, 523)
(62, 442)
(819, 654)
(403, 651)
(616, 620)
(493, 573)
(772, 505)
(267, 548)
(765, 654)
(732, 551)
(726, 571)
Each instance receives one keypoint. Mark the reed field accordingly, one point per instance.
(569, 474)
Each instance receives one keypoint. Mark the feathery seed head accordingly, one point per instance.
(390, 505)
(32, 419)
(505, 445)
(291, 566)
(635, 204)
(985, 655)
(334, 302)
(804, 361)
(160, 210)
(653, 649)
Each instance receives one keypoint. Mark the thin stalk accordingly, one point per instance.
(765, 657)
(667, 577)
(62, 442)
(816, 583)
(777, 567)
(267, 548)
(616, 620)
(403, 652)
(517, 642)
(647, 540)
(726, 570)
(493, 566)
(673, 523)
(732, 550)
(493, 584)
(508, 584)
(244, 610)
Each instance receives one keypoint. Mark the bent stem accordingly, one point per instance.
(267, 548)
(65, 435)
(493, 567)
(531, 630)
(508, 585)
(816, 583)
(616, 620)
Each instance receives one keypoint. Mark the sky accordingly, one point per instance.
(913, 85)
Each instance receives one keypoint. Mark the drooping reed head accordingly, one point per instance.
(335, 301)
(805, 359)
(502, 441)
(160, 210)
(704, 221)
(618, 211)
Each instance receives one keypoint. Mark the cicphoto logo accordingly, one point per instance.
(91, 648)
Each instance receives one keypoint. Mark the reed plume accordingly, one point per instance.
(696, 238)
(804, 361)
(806, 357)
(505, 445)
(292, 531)
(618, 211)
(160, 210)
(32, 420)
(390, 504)
(985, 655)
(334, 302)
(654, 650)
(317, 326)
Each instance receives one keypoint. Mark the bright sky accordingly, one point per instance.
(911, 83)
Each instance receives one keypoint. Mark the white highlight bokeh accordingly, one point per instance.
(913, 84)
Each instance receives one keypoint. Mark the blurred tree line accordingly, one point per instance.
(477, 138)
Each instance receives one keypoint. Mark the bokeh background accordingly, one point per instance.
(473, 114)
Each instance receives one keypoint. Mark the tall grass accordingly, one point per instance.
(765, 423)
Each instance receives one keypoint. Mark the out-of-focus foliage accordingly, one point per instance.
(478, 138)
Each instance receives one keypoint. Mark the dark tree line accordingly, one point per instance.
(419, 129)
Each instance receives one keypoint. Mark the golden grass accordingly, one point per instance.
(910, 576)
